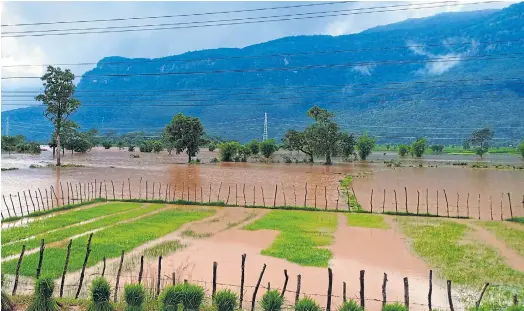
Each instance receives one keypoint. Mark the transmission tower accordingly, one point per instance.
(264, 137)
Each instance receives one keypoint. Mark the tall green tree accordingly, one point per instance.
(419, 147)
(298, 141)
(365, 144)
(324, 132)
(347, 144)
(481, 138)
(58, 97)
(186, 134)
(268, 147)
(253, 146)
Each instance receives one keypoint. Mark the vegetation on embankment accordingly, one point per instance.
(514, 238)
(109, 242)
(302, 235)
(347, 190)
(367, 221)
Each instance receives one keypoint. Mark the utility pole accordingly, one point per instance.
(264, 137)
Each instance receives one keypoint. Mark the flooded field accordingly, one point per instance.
(281, 184)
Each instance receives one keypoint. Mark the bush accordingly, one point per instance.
(106, 144)
(120, 144)
(212, 147)
(437, 149)
(225, 300)
(189, 295)
(134, 296)
(350, 305)
(271, 301)
(131, 148)
(253, 146)
(100, 294)
(307, 304)
(157, 146)
(43, 298)
(418, 147)
(394, 307)
(268, 147)
(403, 149)
(365, 144)
(228, 151)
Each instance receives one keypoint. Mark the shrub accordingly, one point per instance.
(307, 304)
(225, 300)
(131, 148)
(189, 295)
(403, 149)
(418, 147)
(100, 294)
(394, 307)
(106, 144)
(271, 301)
(365, 144)
(253, 146)
(43, 298)
(268, 147)
(212, 147)
(134, 296)
(120, 144)
(157, 146)
(350, 306)
(228, 151)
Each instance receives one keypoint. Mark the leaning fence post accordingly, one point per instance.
(47, 199)
(297, 294)
(467, 204)
(447, 205)
(40, 259)
(20, 202)
(118, 275)
(344, 296)
(215, 265)
(141, 271)
(65, 268)
(88, 250)
(427, 202)
(510, 207)
(406, 293)
(113, 185)
(263, 199)
(295, 195)
(396, 204)
(384, 283)
(418, 200)
(491, 207)
(26, 204)
(285, 283)
(242, 267)
(305, 195)
(244, 192)
(8, 212)
(275, 198)
(13, 205)
(330, 288)
(477, 304)
(406, 194)
(104, 266)
(430, 288)
(501, 212)
(371, 201)
(253, 301)
(17, 273)
(479, 206)
(32, 202)
(449, 296)
(362, 297)
(316, 196)
(218, 196)
(228, 192)
(159, 275)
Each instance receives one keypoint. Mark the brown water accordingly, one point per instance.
(255, 183)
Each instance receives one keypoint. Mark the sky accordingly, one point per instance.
(152, 44)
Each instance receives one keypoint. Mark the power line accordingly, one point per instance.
(178, 15)
(306, 67)
(168, 61)
(224, 24)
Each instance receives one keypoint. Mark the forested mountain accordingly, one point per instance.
(438, 77)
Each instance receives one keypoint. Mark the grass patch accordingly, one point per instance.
(519, 220)
(108, 242)
(163, 249)
(367, 221)
(61, 220)
(62, 234)
(301, 236)
(193, 234)
(513, 238)
(347, 189)
(441, 243)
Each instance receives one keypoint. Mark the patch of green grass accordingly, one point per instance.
(302, 234)
(62, 234)
(61, 220)
(519, 220)
(107, 243)
(441, 243)
(163, 249)
(193, 234)
(513, 238)
(367, 221)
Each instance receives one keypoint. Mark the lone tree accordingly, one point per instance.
(295, 140)
(186, 134)
(58, 97)
(365, 144)
(419, 147)
(481, 138)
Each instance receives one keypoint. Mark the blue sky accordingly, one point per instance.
(150, 44)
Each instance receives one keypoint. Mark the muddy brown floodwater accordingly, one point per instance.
(255, 183)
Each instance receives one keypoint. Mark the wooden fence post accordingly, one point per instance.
(209, 197)
(88, 250)
(344, 294)
(275, 198)
(113, 185)
(396, 204)
(297, 294)
(6, 206)
(338, 197)
(305, 195)
(479, 206)
(153, 195)
(501, 212)
(46, 199)
(284, 194)
(467, 204)
(437, 202)
(118, 275)
(32, 202)
(330, 288)
(104, 266)
(450, 299)
(406, 293)
(242, 270)
(17, 273)
(430, 292)
(263, 198)
(62, 191)
(40, 259)
(26, 204)
(362, 296)
(510, 207)
(129, 187)
(20, 202)
(67, 187)
(427, 202)
(254, 194)
(458, 214)
(236, 195)
(406, 194)
(228, 192)
(371, 201)
(65, 268)
(316, 196)
(13, 206)
(384, 283)
(295, 195)
(214, 290)
(173, 278)
(491, 207)
(141, 271)
(219, 189)
(244, 193)
(354, 195)
(384, 201)
(159, 275)
(268, 286)
(446, 196)
(285, 283)
(418, 200)
(477, 303)
(253, 301)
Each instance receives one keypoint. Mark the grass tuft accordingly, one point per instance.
(367, 221)
(225, 300)
(350, 305)
(394, 307)
(43, 297)
(100, 295)
(134, 295)
(188, 295)
(307, 304)
(163, 249)
(193, 234)
(272, 301)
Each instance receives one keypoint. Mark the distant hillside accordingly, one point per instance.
(381, 86)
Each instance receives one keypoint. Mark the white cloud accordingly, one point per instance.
(363, 69)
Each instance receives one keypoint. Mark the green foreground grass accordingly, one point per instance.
(108, 243)
(61, 220)
(514, 238)
(63, 234)
(367, 221)
(302, 234)
(445, 246)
